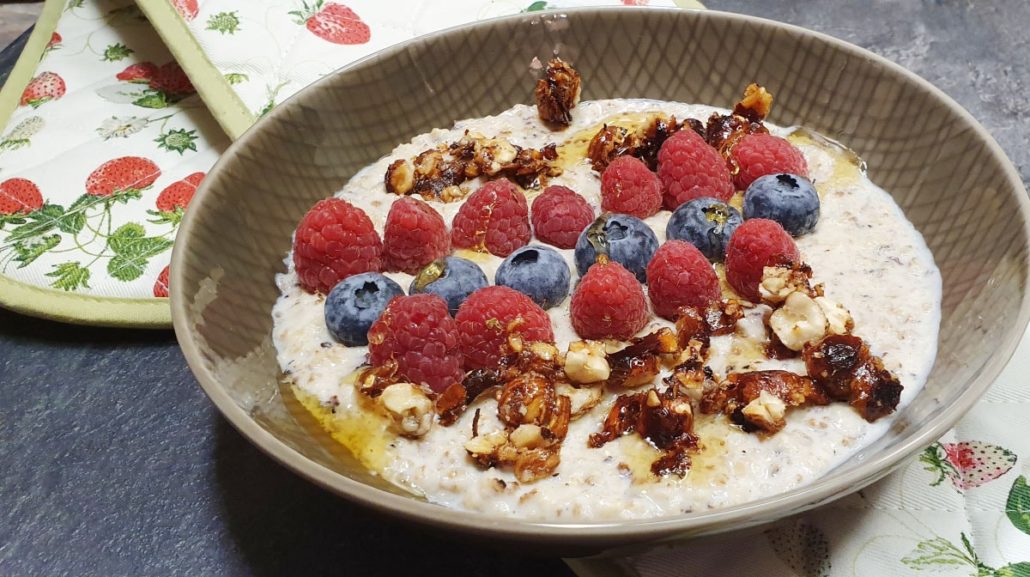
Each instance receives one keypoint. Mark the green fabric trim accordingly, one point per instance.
(223, 102)
(28, 62)
(84, 309)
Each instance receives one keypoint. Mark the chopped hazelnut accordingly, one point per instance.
(838, 319)
(527, 437)
(586, 363)
(766, 412)
(409, 407)
(799, 321)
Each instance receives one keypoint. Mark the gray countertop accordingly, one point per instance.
(114, 462)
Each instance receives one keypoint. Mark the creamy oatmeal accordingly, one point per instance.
(869, 257)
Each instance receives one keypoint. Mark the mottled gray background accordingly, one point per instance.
(114, 463)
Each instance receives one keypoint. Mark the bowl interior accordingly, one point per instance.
(950, 178)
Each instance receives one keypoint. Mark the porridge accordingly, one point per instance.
(618, 372)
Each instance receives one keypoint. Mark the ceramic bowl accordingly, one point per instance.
(950, 177)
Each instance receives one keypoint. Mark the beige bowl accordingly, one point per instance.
(949, 176)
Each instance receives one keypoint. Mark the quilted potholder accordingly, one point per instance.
(101, 155)
(253, 55)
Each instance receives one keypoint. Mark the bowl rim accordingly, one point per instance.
(603, 533)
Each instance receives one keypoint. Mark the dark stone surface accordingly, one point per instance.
(114, 462)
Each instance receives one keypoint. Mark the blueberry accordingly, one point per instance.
(789, 199)
(623, 238)
(452, 278)
(355, 303)
(537, 271)
(706, 223)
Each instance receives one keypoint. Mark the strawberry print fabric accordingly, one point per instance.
(101, 158)
(270, 49)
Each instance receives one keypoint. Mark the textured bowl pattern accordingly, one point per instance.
(949, 176)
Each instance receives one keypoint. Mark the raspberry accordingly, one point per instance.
(629, 187)
(559, 215)
(414, 236)
(608, 303)
(689, 168)
(680, 276)
(493, 219)
(490, 316)
(760, 154)
(418, 334)
(334, 241)
(756, 244)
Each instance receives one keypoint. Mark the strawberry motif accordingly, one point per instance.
(53, 44)
(967, 464)
(333, 22)
(178, 194)
(186, 8)
(19, 196)
(45, 87)
(161, 284)
(172, 80)
(139, 73)
(128, 173)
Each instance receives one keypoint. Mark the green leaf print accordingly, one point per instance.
(1014, 570)
(936, 462)
(536, 7)
(172, 217)
(224, 22)
(73, 221)
(133, 250)
(1017, 507)
(939, 554)
(27, 251)
(122, 239)
(69, 276)
(234, 78)
(936, 551)
(116, 52)
(40, 222)
(73, 4)
(152, 99)
(179, 140)
(272, 94)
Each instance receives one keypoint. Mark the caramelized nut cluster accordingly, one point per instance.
(844, 367)
(721, 131)
(557, 93)
(436, 174)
